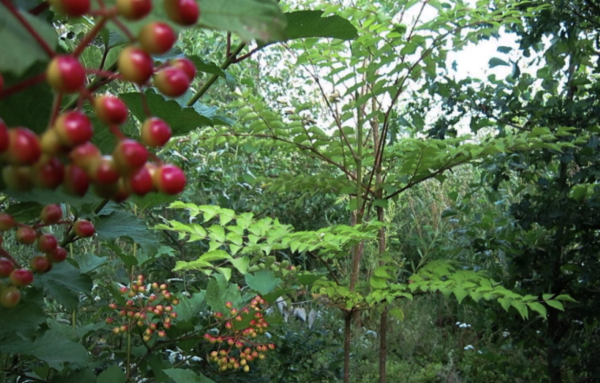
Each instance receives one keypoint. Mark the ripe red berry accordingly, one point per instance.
(169, 179)
(58, 255)
(134, 9)
(23, 148)
(47, 243)
(135, 65)
(72, 8)
(65, 73)
(121, 193)
(73, 128)
(83, 228)
(140, 182)
(51, 214)
(85, 156)
(110, 110)
(4, 140)
(26, 235)
(184, 12)
(105, 171)
(155, 132)
(76, 181)
(17, 178)
(40, 264)
(48, 173)
(186, 65)
(21, 277)
(9, 296)
(157, 38)
(130, 154)
(171, 81)
(6, 222)
(6, 267)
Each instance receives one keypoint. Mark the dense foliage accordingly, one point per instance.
(263, 191)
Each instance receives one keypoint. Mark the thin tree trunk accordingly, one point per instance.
(347, 339)
(383, 346)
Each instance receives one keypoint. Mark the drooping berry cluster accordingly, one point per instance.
(63, 154)
(237, 344)
(149, 306)
(47, 244)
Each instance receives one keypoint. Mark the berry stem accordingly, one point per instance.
(5, 254)
(55, 109)
(22, 85)
(12, 9)
(40, 8)
(124, 29)
(100, 72)
(90, 36)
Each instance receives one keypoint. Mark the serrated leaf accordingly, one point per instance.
(460, 294)
(251, 19)
(122, 224)
(521, 308)
(24, 318)
(263, 281)
(186, 376)
(539, 308)
(182, 120)
(56, 350)
(188, 308)
(303, 24)
(397, 313)
(215, 255)
(241, 264)
(566, 298)
(112, 374)
(64, 283)
(20, 50)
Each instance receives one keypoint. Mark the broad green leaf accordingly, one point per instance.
(460, 294)
(251, 19)
(45, 348)
(207, 66)
(565, 298)
(24, 318)
(20, 50)
(263, 281)
(112, 374)
(215, 255)
(303, 24)
(25, 211)
(241, 264)
(122, 224)
(397, 313)
(65, 283)
(188, 308)
(307, 279)
(182, 120)
(89, 262)
(521, 308)
(186, 376)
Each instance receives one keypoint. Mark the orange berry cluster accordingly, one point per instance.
(152, 312)
(237, 346)
(46, 244)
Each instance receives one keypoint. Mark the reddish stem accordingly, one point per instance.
(40, 8)
(145, 105)
(124, 29)
(90, 36)
(12, 9)
(5, 254)
(22, 85)
(114, 129)
(55, 109)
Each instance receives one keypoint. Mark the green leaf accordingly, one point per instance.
(303, 24)
(307, 279)
(20, 50)
(45, 348)
(188, 308)
(186, 376)
(565, 298)
(539, 308)
(25, 211)
(24, 318)
(207, 66)
(495, 61)
(397, 313)
(251, 19)
(113, 374)
(89, 262)
(122, 224)
(182, 120)
(215, 255)
(521, 308)
(65, 283)
(556, 304)
(263, 281)
(241, 264)
(461, 294)
(151, 200)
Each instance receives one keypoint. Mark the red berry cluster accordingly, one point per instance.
(237, 346)
(63, 154)
(47, 245)
(153, 312)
